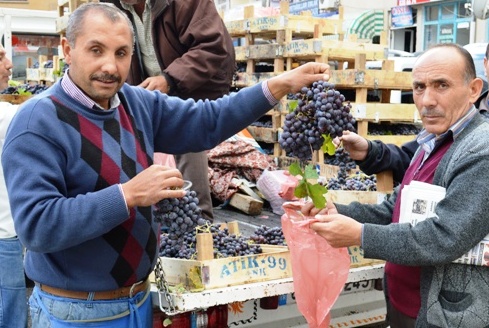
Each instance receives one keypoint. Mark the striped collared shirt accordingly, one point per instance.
(76, 93)
(428, 140)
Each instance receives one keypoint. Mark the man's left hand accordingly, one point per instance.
(156, 83)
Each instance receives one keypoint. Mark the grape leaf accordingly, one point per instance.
(310, 172)
(328, 146)
(300, 190)
(316, 192)
(13, 83)
(295, 169)
(293, 105)
(305, 188)
(195, 279)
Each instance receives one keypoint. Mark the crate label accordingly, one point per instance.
(265, 23)
(253, 266)
(298, 47)
(356, 254)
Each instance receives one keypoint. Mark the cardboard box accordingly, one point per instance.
(273, 263)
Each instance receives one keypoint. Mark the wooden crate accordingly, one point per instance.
(346, 196)
(267, 27)
(273, 263)
(397, 140)
(357, 259)
(14, 99)
(263, 134)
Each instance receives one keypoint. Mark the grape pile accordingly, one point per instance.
(357, 181)
(225, 244)
(393, 129)
(181, 220)
(24, 89)
(341, 158)
(321, 110)
(269, 236)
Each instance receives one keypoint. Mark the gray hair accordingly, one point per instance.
(75, 21)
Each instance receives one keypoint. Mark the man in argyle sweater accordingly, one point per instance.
(78, 167)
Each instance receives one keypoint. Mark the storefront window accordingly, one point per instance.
(27, 49)
(430, 35)
(447, 11)
(453, 24)
(431, 13)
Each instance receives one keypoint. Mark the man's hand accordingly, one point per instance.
(156, 83)
(152, 185)
(338, 230)
(308, 209)
(302, 76)
(354, 144)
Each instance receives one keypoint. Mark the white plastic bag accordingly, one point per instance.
(277, 187)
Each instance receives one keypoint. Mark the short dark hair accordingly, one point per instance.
(487, 51)
(75, 21)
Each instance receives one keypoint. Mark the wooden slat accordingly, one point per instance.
(247, 204)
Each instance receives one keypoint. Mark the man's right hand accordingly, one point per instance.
(152, 185)
(355, 145)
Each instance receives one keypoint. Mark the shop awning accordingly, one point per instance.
(368, 24)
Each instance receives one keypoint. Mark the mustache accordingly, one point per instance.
(430, 112)
(106, 78)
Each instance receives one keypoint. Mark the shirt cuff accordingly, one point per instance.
(123, 197)
(271, 99)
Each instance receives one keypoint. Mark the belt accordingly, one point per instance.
(122, 292)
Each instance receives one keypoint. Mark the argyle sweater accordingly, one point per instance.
(63, 163)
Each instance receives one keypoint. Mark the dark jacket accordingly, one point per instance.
(193, 48)
(385, 157)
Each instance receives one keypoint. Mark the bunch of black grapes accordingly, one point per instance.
(179, 215)
(341, 158)
(269, 236)
(321, 110)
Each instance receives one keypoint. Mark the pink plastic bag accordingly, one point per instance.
(164, 159)
(319, 270)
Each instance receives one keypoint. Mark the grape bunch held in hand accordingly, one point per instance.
(321, 111)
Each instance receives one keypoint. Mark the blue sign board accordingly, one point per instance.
(402, 16)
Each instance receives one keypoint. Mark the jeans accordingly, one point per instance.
(13, 298)
(50, 311)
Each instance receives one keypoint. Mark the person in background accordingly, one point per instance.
(78, 167)
(374, 156)
(13, 304)
(423, 287)
(183, 49)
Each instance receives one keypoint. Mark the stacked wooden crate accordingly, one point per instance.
(285, 41)
(65, 7)
(267, 40)
(42, 75)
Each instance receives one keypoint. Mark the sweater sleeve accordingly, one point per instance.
(461, 221)
(47, 217)
(388, 157)
(202, 125)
